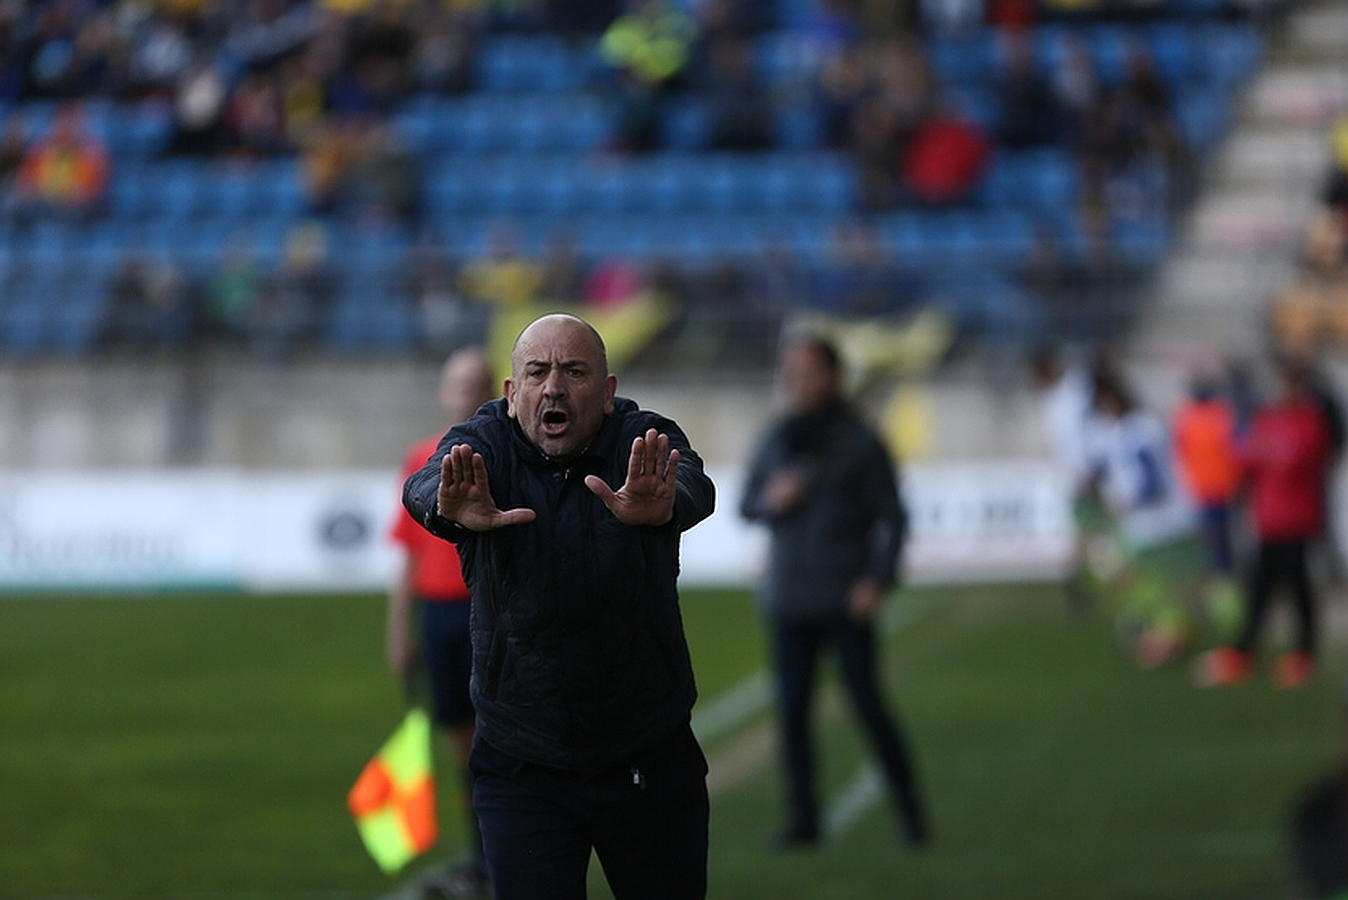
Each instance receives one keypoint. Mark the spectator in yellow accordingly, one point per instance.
(652, 41)
(506, 277)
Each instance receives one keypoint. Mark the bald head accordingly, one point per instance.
(560, 389)
(549, 327)
(465, 383)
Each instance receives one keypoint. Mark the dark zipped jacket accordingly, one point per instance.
(851, 522)
(579, 655)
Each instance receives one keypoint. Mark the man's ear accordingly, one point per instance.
(610, 391)
(509, 389)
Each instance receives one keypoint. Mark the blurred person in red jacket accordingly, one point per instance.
(1284, 459)
(431, 583)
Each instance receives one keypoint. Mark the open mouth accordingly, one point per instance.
(555, 421)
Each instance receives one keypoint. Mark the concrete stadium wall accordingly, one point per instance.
(223, 411)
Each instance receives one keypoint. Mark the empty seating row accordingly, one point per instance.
(193, 188)
(1185, 51)
(1202, 115)
(667, 183)
(994, 238)
(132, 130)
(1219, 55)
(526, 123)
(269, 196)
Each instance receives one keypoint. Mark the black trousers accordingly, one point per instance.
(1279, 563)
(797, 647)
(646, 820)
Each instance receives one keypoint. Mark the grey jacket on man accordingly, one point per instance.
(849, 524)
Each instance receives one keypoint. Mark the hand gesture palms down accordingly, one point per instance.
(465, 497)
(647, 496)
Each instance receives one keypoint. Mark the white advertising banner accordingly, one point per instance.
(328, 530)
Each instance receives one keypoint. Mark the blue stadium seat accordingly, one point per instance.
(133, 192)
(722, 185)
(976, 104)
(1232, 52)
(794, 12)
(449, 186)
(786, 59)
(1202, 116)
(502, 193)
(691, 183)
(178, 187)
(25, 320)
(414, 124)
(766, 184)
(1142, 242)
(824, 183)
(1111, 47)
(1174, 49)
(139, 129)
(99, 247)
(277, 189)
(369, 316)
(797, 127)
(1003, 238)
(555, 183)
(515, 63)
(75, 323)
(963, 59)
(686, 126)
(1040, 180)
(600, 190)
(605, 237)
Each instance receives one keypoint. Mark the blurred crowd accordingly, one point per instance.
(322, 80)
(880, 102)
(717, 309)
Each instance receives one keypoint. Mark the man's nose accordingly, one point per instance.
(554, 385)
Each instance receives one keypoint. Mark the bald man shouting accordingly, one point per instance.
(567, 503)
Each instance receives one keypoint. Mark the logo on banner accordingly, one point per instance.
(344, 530)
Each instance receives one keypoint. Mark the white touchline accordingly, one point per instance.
(732, 708)
(856, 799)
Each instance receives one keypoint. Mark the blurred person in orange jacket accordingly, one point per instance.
(1205, 436)
(1205, 445)
(431, 583)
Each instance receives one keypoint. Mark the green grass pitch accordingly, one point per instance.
(166, 746)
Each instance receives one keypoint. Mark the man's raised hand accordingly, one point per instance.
(465, 497)
(647, 496)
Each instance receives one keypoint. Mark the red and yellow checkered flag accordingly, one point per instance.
(393, 800)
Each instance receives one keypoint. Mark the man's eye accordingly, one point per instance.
(575, 373)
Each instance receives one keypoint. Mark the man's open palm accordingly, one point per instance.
(647, 496)
(465, 497)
